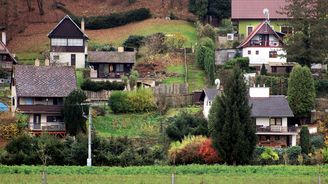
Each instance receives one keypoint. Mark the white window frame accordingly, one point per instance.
(75, 42)
(247, 30)
(58, 42)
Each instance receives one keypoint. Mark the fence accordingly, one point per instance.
(97, 96)
(174, 95)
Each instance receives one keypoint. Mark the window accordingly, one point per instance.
(273, 54)
(3, 58)
(54, 119)
(277, 137)
(276, 121)
(75, 42)
(58, 42)
(257, 52)
(249, 52)
(286, 29)
(249, 30)
(119, 68)
(56, 57)
(38, 99)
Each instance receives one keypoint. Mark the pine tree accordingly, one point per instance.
(301, 91)
(230, 124)
(73, 112)
(219, 8)
(264, 71)
(305, 140)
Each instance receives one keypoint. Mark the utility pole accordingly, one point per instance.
(89, 160)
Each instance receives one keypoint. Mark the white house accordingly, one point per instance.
(271, 113)
(68, 44)
(265, 46)
(208, 96)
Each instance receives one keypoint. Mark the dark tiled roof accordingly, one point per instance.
(111, 57)
(210, 93)
(273, 106)
(253, 9)
(44, 81)
(67, 28)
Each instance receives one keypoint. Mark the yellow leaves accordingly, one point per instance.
(8, 131)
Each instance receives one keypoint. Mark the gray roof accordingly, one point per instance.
(210, 93)
(273, 106)
(111, 57)
(44, 81)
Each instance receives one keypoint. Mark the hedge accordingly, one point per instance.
(89, 85)
(278, 84)
(114, 19)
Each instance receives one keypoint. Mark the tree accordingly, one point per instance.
(73, 112)
(205, 57)
(231, 127)
(301, 91)
(40, 6)
(219, 8)
(206, 31)
(186, 124)
(155, 44)
(305, 140)
(134, 41)
(175, 41)
(263, 70)
(198, 7)
(309, 43)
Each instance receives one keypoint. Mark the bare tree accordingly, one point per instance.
(40, 5)
(29, 5)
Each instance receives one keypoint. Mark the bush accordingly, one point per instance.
(141, 100)
(243, 63)
(321, 88)
(186, 124)
(134, 41)
(305, 140)
(114, 19)
(208, 153)
(317, 142)
(293, 153)
(325, 154)
(269, 154)
(186, 151)
(102, 47)
(89, 85)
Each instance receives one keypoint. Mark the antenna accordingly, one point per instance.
(266, 14)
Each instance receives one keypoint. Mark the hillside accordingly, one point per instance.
(16, 17)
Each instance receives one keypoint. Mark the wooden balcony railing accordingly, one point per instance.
(275, 128)
(6, 65)
(48, 126)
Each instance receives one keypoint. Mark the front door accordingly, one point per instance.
(73, 59)
(37, 121)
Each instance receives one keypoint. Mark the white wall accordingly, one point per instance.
(259, 92)
(65, 58)
(207, 106)
(263, 56)
(13, 95)
(262, 121)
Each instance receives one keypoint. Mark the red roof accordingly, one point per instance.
(253, 9)
(259, 30)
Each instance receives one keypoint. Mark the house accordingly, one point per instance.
(271, 113)
(265, 46)
(68, 44)
(249, 14)
(110, 65)
(7, 60)
(208, 96)
(39, 92)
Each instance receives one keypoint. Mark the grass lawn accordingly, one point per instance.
(118, 35)
(131, 125)
(196, 77)
(79, 78)
(178, 69)
(135, 125)
(27, 58)
(188, 174)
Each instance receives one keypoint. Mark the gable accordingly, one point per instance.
(67, 28)
(4, 51)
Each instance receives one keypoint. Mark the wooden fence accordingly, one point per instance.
(174, 95)
(97, 96)
(171, 89)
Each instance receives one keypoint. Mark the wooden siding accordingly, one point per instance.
(67, 48)
(53, 109)
(66, 29)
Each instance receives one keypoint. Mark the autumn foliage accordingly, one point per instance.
(208, 153)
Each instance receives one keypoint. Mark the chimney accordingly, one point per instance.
(4, 37)
(46, 62)
(82, 25)
(260, 92)
(37, 62)
(120, 49)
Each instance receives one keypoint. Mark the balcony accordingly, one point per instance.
(6, 65)
(48, 127)
(275, 128)
(262, 43)
(40, 108)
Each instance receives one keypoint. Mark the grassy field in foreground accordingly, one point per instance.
(187, 174)
(160, 179)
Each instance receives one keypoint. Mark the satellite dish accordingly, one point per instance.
(217, 82)
(266, 14)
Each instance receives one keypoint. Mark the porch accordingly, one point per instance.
(109, 71)
(47, 126)
(275, 128)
